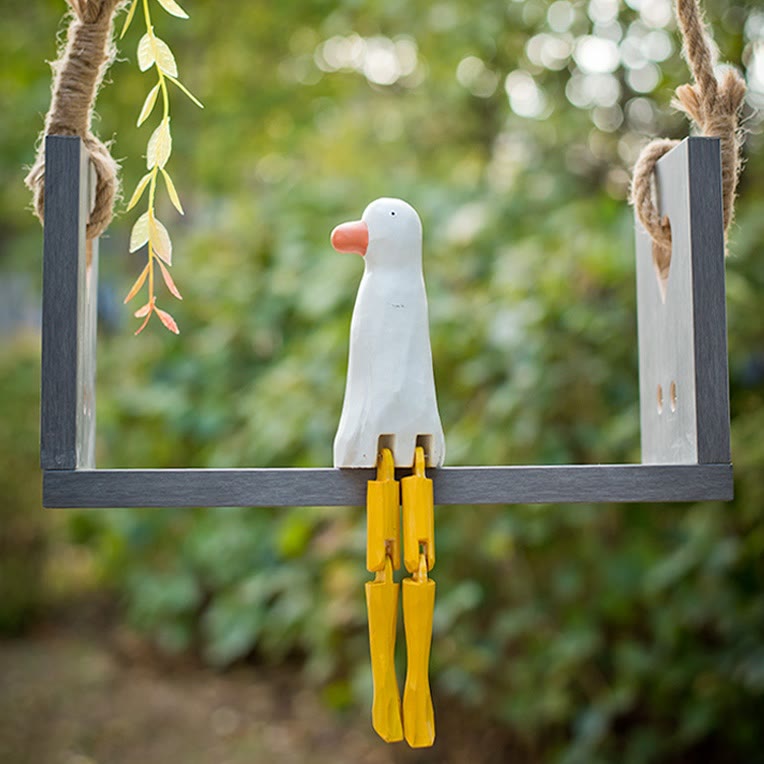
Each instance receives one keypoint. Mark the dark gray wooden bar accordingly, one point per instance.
(682, 347)
(70, 273)
(332, 487)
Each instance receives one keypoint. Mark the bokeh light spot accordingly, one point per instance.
(595, 55)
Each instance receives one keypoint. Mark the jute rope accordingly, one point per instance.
(77, 74)
(714, 106)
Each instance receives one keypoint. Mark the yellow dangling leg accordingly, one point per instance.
(382, 607)
(382, 557)
(418, 604)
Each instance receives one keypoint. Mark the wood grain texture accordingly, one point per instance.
(334, 487)
(709, 297)
(684, 397)
(66, 206)
(70, 287)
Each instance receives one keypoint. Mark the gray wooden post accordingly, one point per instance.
(682, 340)
(70, 282)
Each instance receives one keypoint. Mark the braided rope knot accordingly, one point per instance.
(713, 103)
(77, 74)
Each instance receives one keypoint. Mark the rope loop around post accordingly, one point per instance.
(713, 104)
(77, 75)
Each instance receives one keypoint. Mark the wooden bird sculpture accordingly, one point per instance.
(390, 395)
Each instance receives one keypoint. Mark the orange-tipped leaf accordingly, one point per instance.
(168, 280)
(167, 320)
(143, 311)
(139, 282)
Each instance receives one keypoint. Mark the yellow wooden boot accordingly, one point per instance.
(382, 607)
(418, 604)
(382, 557)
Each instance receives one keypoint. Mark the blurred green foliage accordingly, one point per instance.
(629, 633)
(22, 540)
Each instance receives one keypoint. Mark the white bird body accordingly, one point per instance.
(390, 397)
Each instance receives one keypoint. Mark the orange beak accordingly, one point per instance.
(351, 237)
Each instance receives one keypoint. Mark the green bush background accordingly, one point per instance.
(592, 633)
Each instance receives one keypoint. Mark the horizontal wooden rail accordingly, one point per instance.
(333, 487)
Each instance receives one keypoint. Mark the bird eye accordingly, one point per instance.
(392, 213)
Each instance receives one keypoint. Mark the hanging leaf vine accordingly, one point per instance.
(148, 230)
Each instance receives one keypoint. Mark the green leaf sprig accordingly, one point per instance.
(148, 229)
